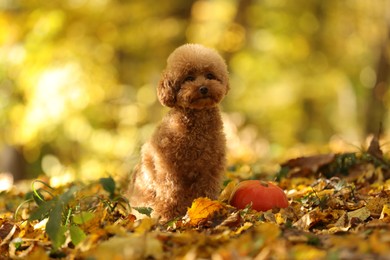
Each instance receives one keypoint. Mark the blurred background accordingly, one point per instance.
(78, 77)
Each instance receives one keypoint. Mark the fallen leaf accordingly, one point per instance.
(202, 210)
(302, 251)
(304, 166)
(144, 225)
(116, 230)
(7, 230)
(342, 211)
(133, 246)
(374, 148)
(375, 204)
(305, 222)
(362, 214)
(227, 191)
(317, 217)
(385, 214)
(233, 220)
(348, 219)
(378, 242)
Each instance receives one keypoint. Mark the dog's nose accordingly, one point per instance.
(203, 90)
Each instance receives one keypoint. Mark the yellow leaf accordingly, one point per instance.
(133, 246)
(203, 209)
(378, 243)
(116, 230)
(145, 225)
(303, 251)
(268, 231)
(385, 214)
(227, 191)
(38, 254)
(280, 218)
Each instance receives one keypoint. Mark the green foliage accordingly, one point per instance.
(144, 210)
(56, 231)
(37, 195)
(55, 210)
(63, 213)
(77, 235)
(282, 173)
(17, 242)
(43, 210)
(109, 185)
(82, 217)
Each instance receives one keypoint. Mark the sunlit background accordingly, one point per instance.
(78, 77)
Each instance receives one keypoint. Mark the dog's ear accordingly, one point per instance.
(166, 91)
(227, 88)
(225, 81)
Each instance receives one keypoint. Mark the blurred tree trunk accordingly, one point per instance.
(376, 108)
(12, 161)
(241, 19)
(241, 14)
(131, 61)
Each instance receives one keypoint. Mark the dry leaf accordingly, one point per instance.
(145, 225)
(7, 230)
(374, 149)
(356, 203)
(134, 246)
(303, 251)
(362, 214)
(233, 220)
(227, 191)
(203, 210)
(305, 166)
(385, 214)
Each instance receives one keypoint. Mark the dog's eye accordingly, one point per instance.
(210, 76)
(189, 78)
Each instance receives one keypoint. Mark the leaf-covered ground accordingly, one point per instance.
(339, 209)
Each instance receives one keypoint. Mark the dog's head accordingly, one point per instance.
(195, 77)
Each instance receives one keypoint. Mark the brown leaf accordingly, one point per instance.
(315, 217)
(7, 230)
(349, 219)
(305, 166)
(374, 149)
(234, 220)
(362, 214)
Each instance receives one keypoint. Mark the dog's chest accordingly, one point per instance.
(197, 143)
(192, 139)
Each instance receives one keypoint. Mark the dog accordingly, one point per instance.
(186, 156)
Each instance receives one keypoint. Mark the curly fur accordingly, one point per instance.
(185, 157)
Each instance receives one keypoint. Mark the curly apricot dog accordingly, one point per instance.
(185, 158)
